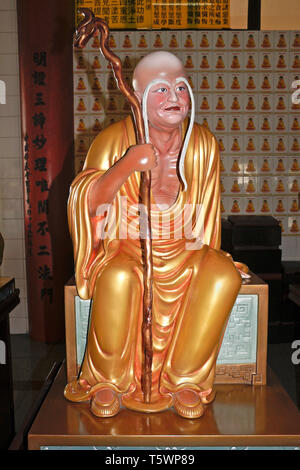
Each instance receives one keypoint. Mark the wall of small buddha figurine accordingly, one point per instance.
(243, 86)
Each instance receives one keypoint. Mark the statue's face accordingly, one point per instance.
(168, 101)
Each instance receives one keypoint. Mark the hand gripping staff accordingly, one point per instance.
(87, 28)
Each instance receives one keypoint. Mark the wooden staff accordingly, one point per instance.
(89, 27)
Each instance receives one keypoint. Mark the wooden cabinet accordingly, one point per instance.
(9, 298)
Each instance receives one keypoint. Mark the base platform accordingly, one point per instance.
(241, 415)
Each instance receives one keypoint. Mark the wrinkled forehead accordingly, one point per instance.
(166, 72)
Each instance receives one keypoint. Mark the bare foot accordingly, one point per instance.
(207, 396)
(205, 393)
(84, 384)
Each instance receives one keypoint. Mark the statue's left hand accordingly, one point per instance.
(243, 269)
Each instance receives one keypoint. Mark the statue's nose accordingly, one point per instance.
(173, 96)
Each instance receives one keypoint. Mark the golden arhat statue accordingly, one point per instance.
(144, 216)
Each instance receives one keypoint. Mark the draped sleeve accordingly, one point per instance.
(105, 150)
(210, 188)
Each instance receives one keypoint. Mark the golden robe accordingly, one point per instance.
(194, 285)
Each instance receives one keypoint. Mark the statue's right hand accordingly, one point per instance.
(142, 157)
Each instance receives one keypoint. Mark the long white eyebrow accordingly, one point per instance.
(190, 128)
(189, 131)
(156, 81)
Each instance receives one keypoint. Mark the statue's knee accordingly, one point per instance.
(119, 273)
(224, 267)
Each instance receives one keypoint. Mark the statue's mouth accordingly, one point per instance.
(173, 108)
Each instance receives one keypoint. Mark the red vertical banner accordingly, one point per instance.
(46, 87)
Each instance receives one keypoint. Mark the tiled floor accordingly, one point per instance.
(32, 362)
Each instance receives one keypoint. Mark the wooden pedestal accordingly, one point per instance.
(241, 415)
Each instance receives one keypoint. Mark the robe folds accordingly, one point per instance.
(194, 283)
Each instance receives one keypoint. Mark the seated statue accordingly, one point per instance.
(195, 284)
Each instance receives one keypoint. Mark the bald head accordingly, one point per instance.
(160, 64)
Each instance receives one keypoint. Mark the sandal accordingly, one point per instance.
(103, 409)
(187, 410)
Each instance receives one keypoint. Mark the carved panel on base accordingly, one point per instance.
(238, 354)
